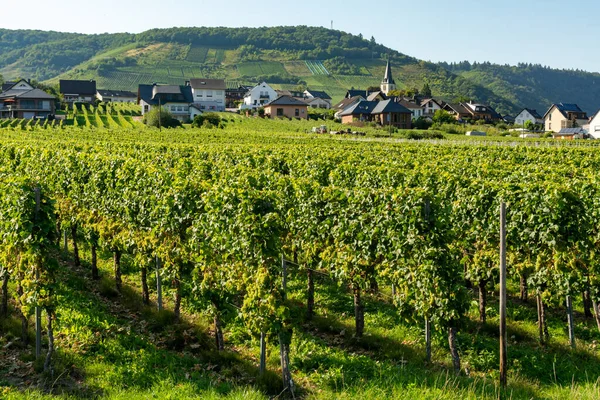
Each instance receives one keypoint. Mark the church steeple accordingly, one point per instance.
(388, 84)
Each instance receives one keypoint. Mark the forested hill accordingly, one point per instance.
(319, 58)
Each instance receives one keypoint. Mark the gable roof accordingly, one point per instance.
(374, 95)
(214, 84)
(390, 106)
(357, 92)
(565, 108)
(427, 100)
(115, 93)
(410, 105)
(26, 94)
(7, 85)
(319, 94)
(12, 85)
(531, 111)
(457, 108)
(150, 93)
(77, 87)
(346, 102)
(286, 101)
(364, 107)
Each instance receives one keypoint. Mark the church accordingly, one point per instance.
(388, 84)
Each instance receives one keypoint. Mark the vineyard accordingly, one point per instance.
(256, 261)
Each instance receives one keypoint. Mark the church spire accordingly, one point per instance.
(388, 78)
(388, 84)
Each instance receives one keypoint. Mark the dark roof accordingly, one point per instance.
(116, 93)
(409, 104)
(26, 94)
(290, 93)
(151, 94)
(363, 107)
(390, 106)
(564, 108)
(357, 92)
(347, 102)
(78, 87)
(457, 108)
(215, 84)
(388, 78)
(533, 113)
(508, 118)
(319, 94)
(286, 101)
(7, 85)
(376, 107)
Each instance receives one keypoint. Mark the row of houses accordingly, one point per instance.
(21, 100)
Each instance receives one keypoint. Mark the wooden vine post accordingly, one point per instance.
(284, 339)
(38, 310)
(427, 211)
(159, 302)
(503, 358)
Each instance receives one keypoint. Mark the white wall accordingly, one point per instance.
(594, 128)
(213, 96)
(253, 98)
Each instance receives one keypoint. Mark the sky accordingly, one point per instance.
(560, 34)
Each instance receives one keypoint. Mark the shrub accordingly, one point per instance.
(161, 117)
(207, 120)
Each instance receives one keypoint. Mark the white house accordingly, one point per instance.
(415, 109)
(527, 114)
(430, 106)
(258, 96)
(208, 94)
(317, 99)
(594, 127)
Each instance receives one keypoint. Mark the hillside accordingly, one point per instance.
(319, 58)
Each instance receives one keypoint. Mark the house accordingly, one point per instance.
(290, 93)
(415, 109)
(386, 112)
(377, 96)
(358, 92)
(286, 106)
(388, 84)
(21, 100)
(564, 115)
(317, 99)
(208, 94)
(74, 91)
(457, 110)
(430, 106)
(594, 126)
(235, 95)
(176, 99)
(528, 114)
(482, 112)
(116, 96)
(570, 134)
(258, 96)
(509, 119)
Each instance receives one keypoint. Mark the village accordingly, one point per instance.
(378, 106)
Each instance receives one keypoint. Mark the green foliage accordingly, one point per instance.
(207, 120)
(443, 117)
(160, 117)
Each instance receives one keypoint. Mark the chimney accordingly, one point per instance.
(187, 83)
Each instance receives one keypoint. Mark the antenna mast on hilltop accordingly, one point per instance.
(331, 24)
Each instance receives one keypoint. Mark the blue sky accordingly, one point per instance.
(561, 34)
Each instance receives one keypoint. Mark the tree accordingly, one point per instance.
(443, 117)
(161, 118)
(426, 91)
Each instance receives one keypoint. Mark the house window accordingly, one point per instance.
(145, 108)
(550, 126)
(550, 117)
(297, 112)
(597, 128)
(209, 93)
(280, 112)
(199, 94)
